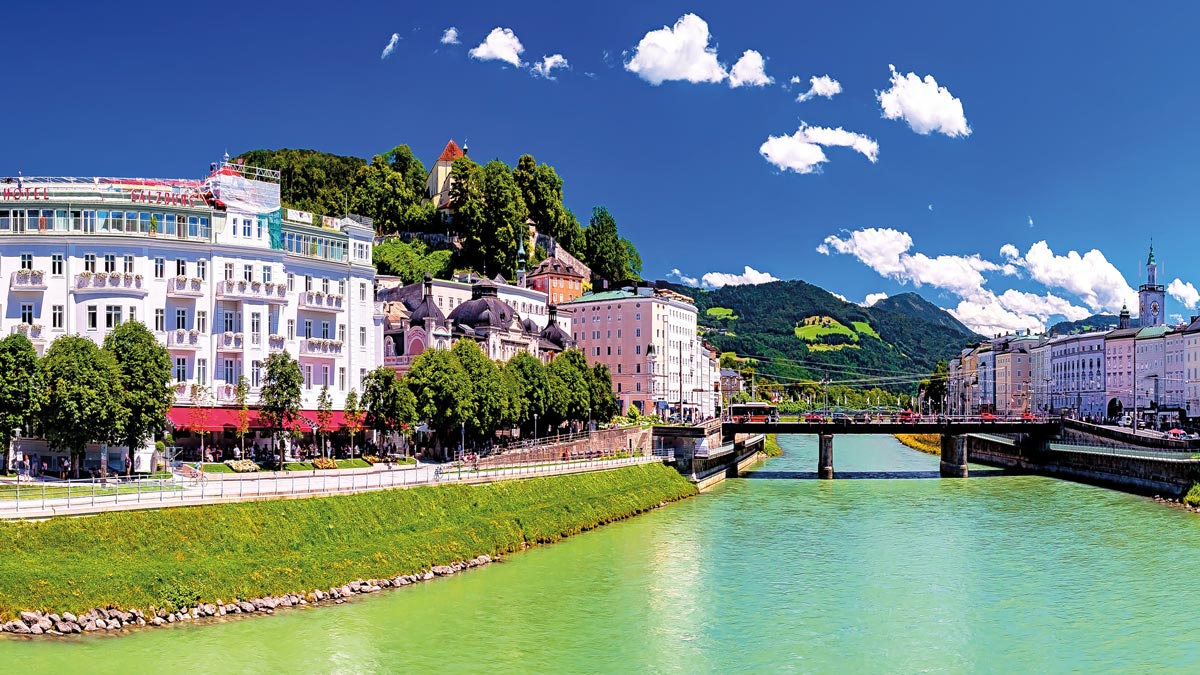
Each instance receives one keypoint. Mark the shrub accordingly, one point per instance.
(324, 463)
(371, 459)
(241, 465)
(1192, 498)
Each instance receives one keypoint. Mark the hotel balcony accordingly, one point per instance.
(320, 347)
(318, 301)
(35, 332)
(110, 282)
(276, 343)
(27, 280)
(230, 342)
(230, 289)
(183, 287)
(184, 339)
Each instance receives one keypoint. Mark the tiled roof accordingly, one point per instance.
(451, 153)
(553, 265)
(601, 297)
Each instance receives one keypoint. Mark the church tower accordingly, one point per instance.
(1151, 295)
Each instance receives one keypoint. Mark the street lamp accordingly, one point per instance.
(535, 428)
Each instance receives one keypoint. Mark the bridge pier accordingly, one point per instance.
(825, 457)
(954, 456)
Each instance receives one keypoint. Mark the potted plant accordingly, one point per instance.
(179, 335)
(23, 328)
(256, 286)
(241, 284)
(180, 282)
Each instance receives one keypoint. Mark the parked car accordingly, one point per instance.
(841, 418)
(814, 418)
(907, 417)
(987, 417)
(1028, 417)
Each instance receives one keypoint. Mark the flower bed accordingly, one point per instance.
(241, 465)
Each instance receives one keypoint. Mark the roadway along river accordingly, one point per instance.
(896, 573)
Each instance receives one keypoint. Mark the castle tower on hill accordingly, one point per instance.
(1151, 296)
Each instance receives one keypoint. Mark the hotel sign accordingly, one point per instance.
(162, 197)
(30, 194)
(299, 216)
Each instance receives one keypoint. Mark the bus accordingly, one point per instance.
(753, 412)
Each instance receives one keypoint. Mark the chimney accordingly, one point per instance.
(552, 312)
(427, 286)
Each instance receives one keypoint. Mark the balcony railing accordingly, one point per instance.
(34, 332)
(28, 280)
(185, 287)
(328, 302)
(184, 339)
(276, 343)
(108, 282)
(231, 289)
(230, 341)
(320, 347)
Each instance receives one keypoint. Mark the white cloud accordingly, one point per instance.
(1177, 319)
(390, 46)
(749, 276)
(873, 298)
(677, 53)
(1090, 277)
(500, 45)
(544, 67)
(1031, 221)
(924, 105)
(1042, 306)
(450, 36)
(839, 296)
(986, 316)
(795, 80)
(886, 251)
(684, 279)
(1184, 292)
(801, 152)
(750, 70)
(1010, 252)
(820, 86)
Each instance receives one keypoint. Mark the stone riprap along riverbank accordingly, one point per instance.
(189, 558)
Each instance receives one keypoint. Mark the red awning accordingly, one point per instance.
(219, 419)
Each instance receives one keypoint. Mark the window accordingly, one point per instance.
(597, 351)
(128, 264)
(308, 376)
(56, 316)
(259, 221)
(308, 282)
(89, 262)
(132, 314)
(228, 271)
(202, 320)
(112, 316)
(160, 268)
(248, 272)
(325, 330)
(56, 264)
(255, 374)
(341, 287)
(202, 371)
(362, 336)
(180, 369)
(341, 332)
(637, 350)
(362, 292)
(256, 327)
(291, 334)
(202, 269)
(325, 285)
(342, 378)
(230, 371)
(266, 276)
(291, 282)
(246, 232)
(180, 319)
(91, 317)
(227, 321)
(110, 262)
(27, 313)
(160, 319)
(180, 267)
(325, 376)
(307, 328)
(637, 332)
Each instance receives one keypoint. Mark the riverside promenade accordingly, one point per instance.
(46, 499)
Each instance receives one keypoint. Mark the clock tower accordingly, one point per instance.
(1151, 296)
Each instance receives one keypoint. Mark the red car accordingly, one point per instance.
(987, 417)
(1028, 417)
(814, 418)
(908, 417)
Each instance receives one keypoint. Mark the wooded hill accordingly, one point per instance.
(793, 328)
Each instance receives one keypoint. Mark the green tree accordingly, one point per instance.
(541, 191)
(200, 398)
(492, 220)
(606, 255)
(491, 404)
(531, 387)
(82, 399)
(354, 417)
(145, 380)
(603, 399)
(18, 389)
(402, 161)
(324, 417)
(280, 396)
(442, 390)
(390, 406)
(633, 258)
(570, 387)
(410, 261)
(934, 386)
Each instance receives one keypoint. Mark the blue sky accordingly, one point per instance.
(1079, 118)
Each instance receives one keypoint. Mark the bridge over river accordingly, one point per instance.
(953, 432)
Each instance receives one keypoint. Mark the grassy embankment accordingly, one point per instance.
(771, 446)
(138, 559)
(927, 443)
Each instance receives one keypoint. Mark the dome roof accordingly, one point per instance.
(483, 312)
(555, 335)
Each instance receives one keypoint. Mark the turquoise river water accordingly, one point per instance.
(888, 570)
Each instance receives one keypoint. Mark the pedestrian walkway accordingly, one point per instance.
(46, 499)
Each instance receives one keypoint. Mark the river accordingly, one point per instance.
(888, 571)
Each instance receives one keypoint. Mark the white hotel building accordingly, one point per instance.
(215, 268)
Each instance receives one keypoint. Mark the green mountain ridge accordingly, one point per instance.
(897, 337)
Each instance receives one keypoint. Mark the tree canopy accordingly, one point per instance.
(411, 261)
(18, 388)
(280, 394)
(145, 373)
(82, 398)
(390, 405)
